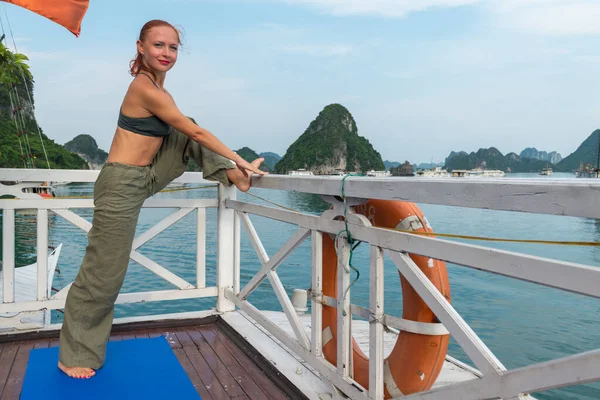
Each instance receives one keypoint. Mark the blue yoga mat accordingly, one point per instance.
(134, 369)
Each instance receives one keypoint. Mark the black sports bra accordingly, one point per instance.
(147, 126)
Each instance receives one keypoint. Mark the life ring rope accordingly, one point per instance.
(389, 322)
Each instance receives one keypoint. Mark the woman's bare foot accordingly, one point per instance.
(77, 372)
(241, 181)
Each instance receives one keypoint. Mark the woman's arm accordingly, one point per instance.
(161, 105)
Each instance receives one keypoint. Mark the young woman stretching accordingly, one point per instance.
(151, 147)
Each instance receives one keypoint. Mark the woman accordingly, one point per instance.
(151, 147)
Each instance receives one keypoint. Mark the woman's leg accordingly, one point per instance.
(119, 193)
(172, 159)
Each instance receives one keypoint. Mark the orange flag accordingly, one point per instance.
(68, 13)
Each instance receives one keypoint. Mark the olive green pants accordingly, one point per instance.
(119, 193)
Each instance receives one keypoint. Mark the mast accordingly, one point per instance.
(598, 158)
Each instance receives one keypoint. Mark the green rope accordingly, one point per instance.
(351, 241)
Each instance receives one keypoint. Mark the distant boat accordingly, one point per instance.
(546, 171)
(477, 173)
(435, 172)
(27, 190)
(587, 171)
(300, 171)
(378, 174)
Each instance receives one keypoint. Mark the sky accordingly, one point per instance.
(421, 78)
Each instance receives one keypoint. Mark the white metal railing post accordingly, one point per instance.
(42, 255)
(200, 247)
(8, 256)
(225, 243)
(344, 316)
(376, 372)
(236, 252)
(316, 294)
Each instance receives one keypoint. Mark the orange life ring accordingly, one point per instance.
(416, 359)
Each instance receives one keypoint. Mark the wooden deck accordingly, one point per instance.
(220, 364)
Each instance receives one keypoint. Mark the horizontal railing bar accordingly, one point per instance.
(162, 318)
(124, 298)
(563, 275)
(572, 197)
(576, 369)
(46, 204)
(77, 175)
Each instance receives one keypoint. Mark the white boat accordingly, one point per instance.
(300, 171)
(378, 174)
(25, 290)
(546, 171)
(492, 173)
(435, 172)
(478, 173)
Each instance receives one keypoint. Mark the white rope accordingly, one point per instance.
(13, 109)
(27, 91)
(14, 118)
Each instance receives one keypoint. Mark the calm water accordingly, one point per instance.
(520, 322)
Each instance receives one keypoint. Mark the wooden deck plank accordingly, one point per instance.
(192, 374)
(152, 333)
(217, 345)
(128, 335)
(6, 361)
(232, 364)
(227, 380)
(115, 337)
(211, 383)
(171, 337)
(14, 383)
(184, 338)
(247, 384)
(41, 344)
(252, 369)
(143, 334)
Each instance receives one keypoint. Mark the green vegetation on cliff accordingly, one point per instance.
(406, 169)
(10, 149)
(331, 142)
(586, 153)
(492, 158)
(86, 147)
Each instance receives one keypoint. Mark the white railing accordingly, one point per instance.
(571, 198)
(63, 207)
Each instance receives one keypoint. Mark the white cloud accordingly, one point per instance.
(549, 17)
(318, 50)
(546, 17)
(391, 8)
